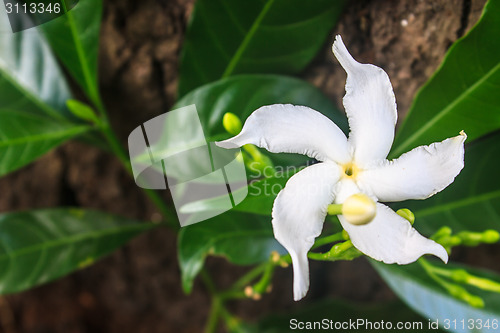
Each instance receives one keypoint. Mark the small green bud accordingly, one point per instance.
(231, 123)
(464, 295)
(470, 238)
(453, 241)
(459, 275)
(345, 235)
(406, 214)
(490, 236)
(474, 301)
(442, 232)
(82, 111)
(483, 283)
(359, 209)
(258, 162)
(456, 291)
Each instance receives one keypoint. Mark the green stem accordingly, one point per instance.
(213, 317)
(430, 271)
(208, 281)
(247, 278)
(217, 304)
(265, 280)
(462, 276)
(340, 251)
(232, 323)
(328, 239)
(335, 209)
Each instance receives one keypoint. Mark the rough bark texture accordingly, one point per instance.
(138, 289)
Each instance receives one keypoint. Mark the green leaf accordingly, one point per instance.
(74, 37)
(33, 94)
(241, 239)
(40, 246)
(421, 293)
(337, 315)
(25, 136)
(472, 201)
(463, 93)
(82, 111)
(30, 78)
(228, 37)
(243, 94)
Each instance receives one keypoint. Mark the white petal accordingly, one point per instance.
(418, 174)
(388, 237)
(370, 106)
(286, 128)
(298, 215)
(391, 239)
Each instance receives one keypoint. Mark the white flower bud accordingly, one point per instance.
(359, 209)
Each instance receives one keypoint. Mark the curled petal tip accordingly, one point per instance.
(340, 51)
(462, 133)
(227, 144)
(300, 275)
(441, 253)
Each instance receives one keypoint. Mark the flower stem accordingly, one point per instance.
(452, 288)
(248, 277)
(462, 276)
(339, 251)
(328, 239)
(213, 317)
(335, 209)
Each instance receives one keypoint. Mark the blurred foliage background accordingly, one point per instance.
(138, 288)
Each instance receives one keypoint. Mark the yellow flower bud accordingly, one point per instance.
(359, 209)
(231, 123)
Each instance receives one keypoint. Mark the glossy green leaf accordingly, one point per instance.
(337, 315)
(463, 93)
(33, 94)
(472, 201)
(30, 78)
(421, 293)
(25, 136)
(40, 246)
(228, 37)
(74, 37)
(241, 239)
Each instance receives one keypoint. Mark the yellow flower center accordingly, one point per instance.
(350, 170)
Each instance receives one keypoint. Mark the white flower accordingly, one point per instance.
(351, 166)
